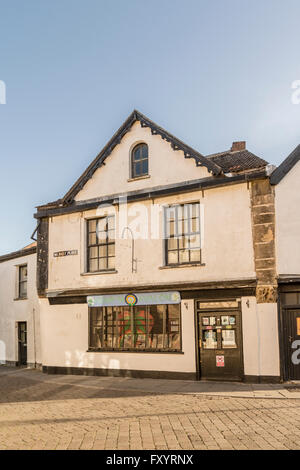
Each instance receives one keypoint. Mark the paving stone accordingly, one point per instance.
(38, 411)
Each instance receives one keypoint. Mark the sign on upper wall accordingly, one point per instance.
(59, 254)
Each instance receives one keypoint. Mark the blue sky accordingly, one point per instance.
(210, 72)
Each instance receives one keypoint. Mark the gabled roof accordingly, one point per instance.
(285, 166)
(235, 162)
(135, 116)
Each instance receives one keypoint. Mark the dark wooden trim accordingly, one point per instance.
(188, 290)
(146, 194)
(217, 294)
(18, 254)
(79, 299)
(282, 364)
(293, 281)
(135, 351)
(285, 166)
(141, 374)
(42, 256)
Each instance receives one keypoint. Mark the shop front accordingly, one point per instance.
(152, 323)
(143, 322)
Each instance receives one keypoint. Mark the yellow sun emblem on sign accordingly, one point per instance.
(131, 299)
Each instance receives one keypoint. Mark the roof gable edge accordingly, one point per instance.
(135, 116)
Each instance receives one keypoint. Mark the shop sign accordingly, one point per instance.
(144, 298)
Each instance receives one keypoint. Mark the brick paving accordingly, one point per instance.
(41, 412)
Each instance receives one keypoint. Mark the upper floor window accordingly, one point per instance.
(139, 161)
(183, 240)
(22, 282)
(101, 244)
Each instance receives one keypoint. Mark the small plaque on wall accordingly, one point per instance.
(59, 254)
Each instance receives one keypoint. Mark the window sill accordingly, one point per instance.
(141, 351)
(96, 273)
(188, 265)
(138, 178)
(21, 298)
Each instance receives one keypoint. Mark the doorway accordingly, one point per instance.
(22, 343)
(219, 336)
(291, 343)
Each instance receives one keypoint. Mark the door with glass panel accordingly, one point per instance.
(219, 340)
(291, 341)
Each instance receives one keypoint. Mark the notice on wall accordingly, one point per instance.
(220, 361)
(58, 254)
(298, 326)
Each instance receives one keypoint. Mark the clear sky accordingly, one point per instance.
(210, 72)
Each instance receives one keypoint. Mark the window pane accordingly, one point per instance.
(138, 168)
(183, 242)
(102, 224)
(93, 252)
(92, 239)
(111, 250)
(145, 167)
(102, 251)
(23, 273)
(195, 241)
(228, 339)
(92, 225)
(145, 151)
(23, 289)
(111, 235)
(195, 255)
(140, 327)
(111, 223)
(137, 154)
(209, 339)
(173, 257)
(111, 263)
(93, 265)
(173, 326)
(156, 322)
(102, 236)
(102, 263)
(184, 256)
(195, 225)
(172, 243)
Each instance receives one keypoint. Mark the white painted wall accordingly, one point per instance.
(260, 338)
(287, 204)
(166, 166)
(13, 311)
(227, 248)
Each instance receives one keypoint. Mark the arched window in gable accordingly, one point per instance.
(139, 161)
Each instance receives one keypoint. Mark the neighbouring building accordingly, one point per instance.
(285, 180)
(161, 262)
(19, 309)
